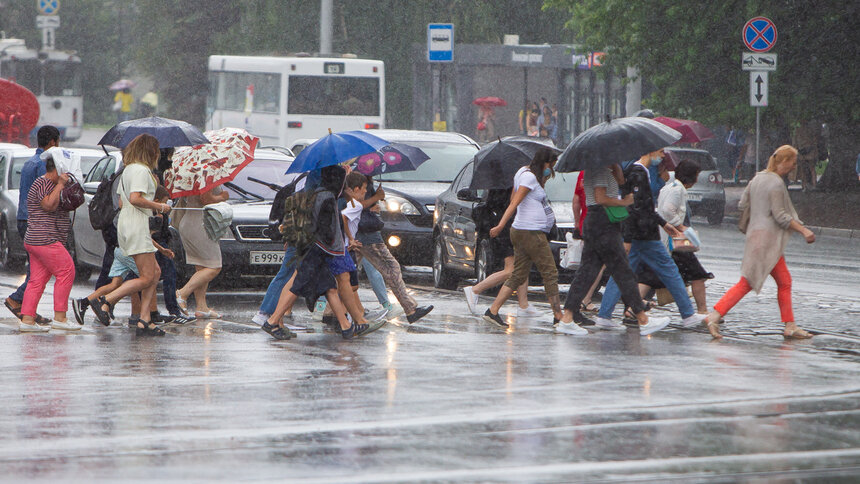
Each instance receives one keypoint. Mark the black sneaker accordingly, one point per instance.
(581, 319)
(355, 330)
(80, 306)
(495, 319)
(419, 313)
(277, 332)
(178, 319)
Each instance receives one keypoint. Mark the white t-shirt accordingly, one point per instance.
(352, 212)
(534, 212)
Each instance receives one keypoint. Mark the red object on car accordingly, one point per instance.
(691, 131)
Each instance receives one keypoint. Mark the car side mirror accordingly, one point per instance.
(91, 187)
(467, 195)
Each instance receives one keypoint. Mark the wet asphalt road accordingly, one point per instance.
(450, 398)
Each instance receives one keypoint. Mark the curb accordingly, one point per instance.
(824, 231)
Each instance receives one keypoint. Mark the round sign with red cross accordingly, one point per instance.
(759, 34)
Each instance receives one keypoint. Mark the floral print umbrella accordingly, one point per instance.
(200, 168)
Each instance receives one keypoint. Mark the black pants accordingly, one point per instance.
(109, 235)
(603, 246)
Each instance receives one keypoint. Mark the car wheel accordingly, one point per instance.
(483, 260)
(4, 245)
(82, 271)
(442, 277)
(716, 218)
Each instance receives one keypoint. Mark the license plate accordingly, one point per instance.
(694, 197)
(264, 257)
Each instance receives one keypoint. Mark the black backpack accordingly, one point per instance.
(276, 214)
(102, 211)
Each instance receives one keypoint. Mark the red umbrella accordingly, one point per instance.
(489, 101)
(691, 131)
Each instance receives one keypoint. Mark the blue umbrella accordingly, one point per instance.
(336, 148)
(392, 158)
(169, 133)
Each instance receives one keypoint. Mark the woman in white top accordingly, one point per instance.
(533, 221)
(136, 191)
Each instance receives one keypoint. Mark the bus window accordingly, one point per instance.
(62, 79)
(267, 91)
(333, 96)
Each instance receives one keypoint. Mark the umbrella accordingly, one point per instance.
(217, 218)
(392, 158)
(489, 101)
(615, 141)
(334, 149)
(691, 131)
(200, 168)
(122, 84)
(168, 132)
(497, 162)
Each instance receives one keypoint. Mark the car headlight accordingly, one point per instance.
(399, 204)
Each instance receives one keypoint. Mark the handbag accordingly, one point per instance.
(116, 106)
(572, 257)
(72, 195)
(616, 214)
(369, 222)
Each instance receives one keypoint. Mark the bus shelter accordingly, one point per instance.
(572, 81)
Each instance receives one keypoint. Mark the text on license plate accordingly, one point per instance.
(694, 197)
(266, 257)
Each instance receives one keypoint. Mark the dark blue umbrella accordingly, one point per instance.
(392, 158)
(334, 149)
(169, 133)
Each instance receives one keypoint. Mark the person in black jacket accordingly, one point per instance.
(642, 230)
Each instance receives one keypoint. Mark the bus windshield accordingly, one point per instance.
(333, 96)
(62, 78)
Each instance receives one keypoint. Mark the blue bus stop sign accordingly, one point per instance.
(440, 42)
(759, 34)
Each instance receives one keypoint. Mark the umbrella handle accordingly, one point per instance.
(187, 208)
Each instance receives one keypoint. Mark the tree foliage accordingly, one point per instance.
(690, 53)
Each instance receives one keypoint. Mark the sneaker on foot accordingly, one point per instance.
(260, 318)
(495, 319)
(354, 330)
(694, 320)
(654, 324)
(529, 312)
(32, 328)
(419, 313)
(393, 310)
(375, 315)
(609, 324)
(570, 328)
(65, 326)
(582, 319)
(471, 299)
(79, 307)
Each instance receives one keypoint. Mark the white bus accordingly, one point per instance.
(54, 77)
(282, 99)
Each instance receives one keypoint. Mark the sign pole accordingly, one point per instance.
(757, 136)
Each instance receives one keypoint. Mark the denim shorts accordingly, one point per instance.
(344, 263)
(122, 265)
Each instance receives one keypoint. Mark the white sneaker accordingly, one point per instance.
(570, 328)
(609, 324)
(376, 315)
(65, 326)
(529, 312)
(471, 299)
(32, 328)
(260, 318)
(654, 324)
(394, 310)
(694, 320)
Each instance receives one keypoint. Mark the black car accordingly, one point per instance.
(459, 251)
(410, 196)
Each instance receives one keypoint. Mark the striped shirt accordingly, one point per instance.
(43, 227)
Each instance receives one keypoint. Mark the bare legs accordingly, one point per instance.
(145, 284)
(198, 285)
(498, 278)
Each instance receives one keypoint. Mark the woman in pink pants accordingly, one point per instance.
(47, 229)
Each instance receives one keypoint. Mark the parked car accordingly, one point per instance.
(12, 159)
(460, 252)
(708, 196)
(246, 248)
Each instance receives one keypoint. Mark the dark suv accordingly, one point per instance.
(707, 197)
(459, 251)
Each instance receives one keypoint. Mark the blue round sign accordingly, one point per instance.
(48, 7)
(759, 34)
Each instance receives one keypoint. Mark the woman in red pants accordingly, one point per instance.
(772, 218)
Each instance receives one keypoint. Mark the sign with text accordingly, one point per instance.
(47, 21)
(440, 42)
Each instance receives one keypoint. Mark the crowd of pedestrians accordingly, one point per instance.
(635, 250)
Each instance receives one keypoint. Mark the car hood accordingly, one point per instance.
(424, 193)
(563, 213)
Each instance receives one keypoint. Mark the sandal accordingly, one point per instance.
(588, 308)
(714, 329)
(210, 314)
(277, 332)
(182, 303)
(797, 333)
(13, 309)
(103, 316)
(149, 329)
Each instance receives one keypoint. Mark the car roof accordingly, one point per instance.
(416, 135)
(271, 154)
(12, 146)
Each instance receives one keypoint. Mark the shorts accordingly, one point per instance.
(502, 246)
(344, 263)
(122, 265)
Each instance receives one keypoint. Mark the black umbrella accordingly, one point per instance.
(615, 141)
(497, 162)
(168, 132)
(389, 159)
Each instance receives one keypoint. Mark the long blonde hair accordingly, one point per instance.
(142, 149)
(780, 156)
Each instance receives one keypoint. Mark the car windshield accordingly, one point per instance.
(560, 188)
(446, 160)
(269, 171)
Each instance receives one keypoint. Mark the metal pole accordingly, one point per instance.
(757, 135)
(325, 26)
(525, 100)
(435, 94)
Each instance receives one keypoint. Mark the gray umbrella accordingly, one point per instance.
(615, 141)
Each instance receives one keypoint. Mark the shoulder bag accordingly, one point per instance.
(616, 214)
(72, 195)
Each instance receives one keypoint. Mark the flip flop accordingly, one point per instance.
(797, 334)
(14, 310)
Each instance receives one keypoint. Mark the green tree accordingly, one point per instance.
(690, 53)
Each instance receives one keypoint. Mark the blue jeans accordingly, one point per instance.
(656, 256)
(18, 295)
(376, 282)
(273, 292)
